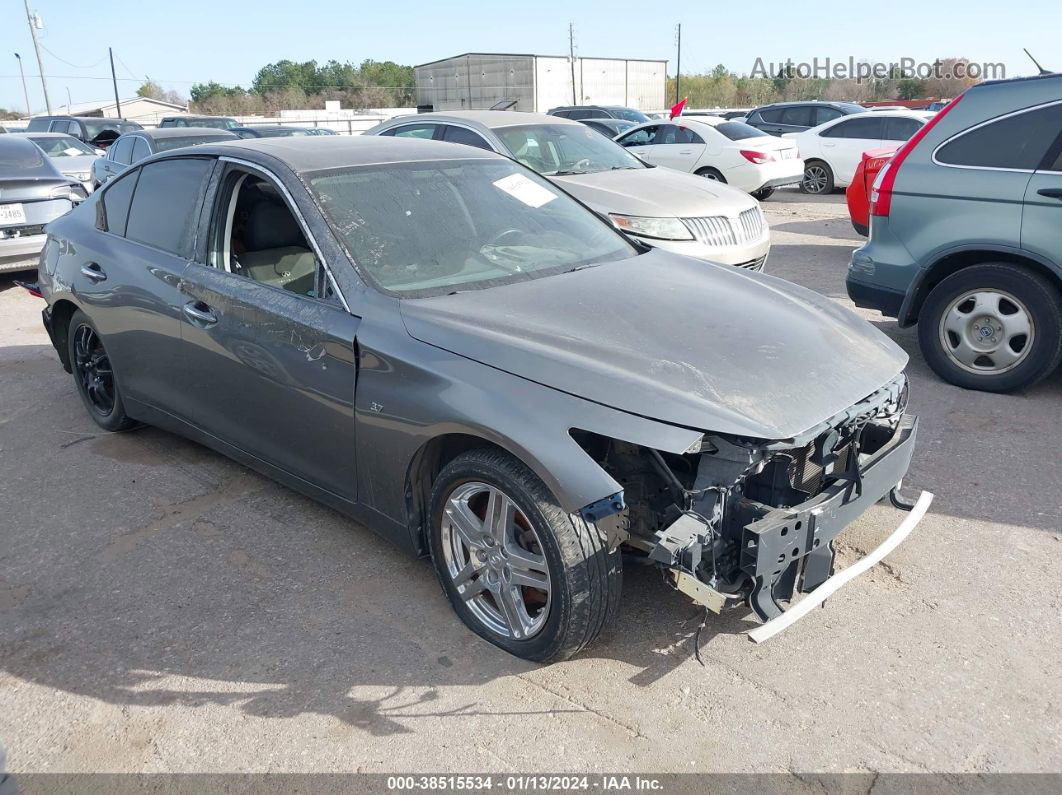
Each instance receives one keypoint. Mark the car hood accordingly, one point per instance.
(659, 335)
(655, 192)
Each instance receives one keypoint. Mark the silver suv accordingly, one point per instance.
(966, 236)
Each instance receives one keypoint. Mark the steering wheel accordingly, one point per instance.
(499, 239)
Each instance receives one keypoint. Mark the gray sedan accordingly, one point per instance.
(135, 146)
(447, 347)
(32, 193)
(663, 208)
(72, 156)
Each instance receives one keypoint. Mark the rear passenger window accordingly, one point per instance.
(865, 126)
(1019, 141)
(412, 131)
(163, 207)
(115, 203)
(460, 135)
(121, 150)
(899, 129)
(140, 149)
(772, 116)
(823, 115)
(801, 116)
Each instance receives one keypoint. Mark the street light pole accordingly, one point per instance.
(678, 63)
(25, 91)
(37, 49)
(114, 81)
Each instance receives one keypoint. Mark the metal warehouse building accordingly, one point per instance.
(476, 81)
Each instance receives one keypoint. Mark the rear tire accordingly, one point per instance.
(713, 174)
(94, 375)
(763, 194)
(581, 577)
(995, 327)
(818, 178)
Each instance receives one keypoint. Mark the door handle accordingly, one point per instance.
(1051, 193)
(94, 272)
(199, 314)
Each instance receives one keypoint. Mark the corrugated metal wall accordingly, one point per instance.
(538, 83)
(475, 82)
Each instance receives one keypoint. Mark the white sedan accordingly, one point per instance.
(832, 151)
(714, 148)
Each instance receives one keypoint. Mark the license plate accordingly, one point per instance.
(12, 215)
(788, 154)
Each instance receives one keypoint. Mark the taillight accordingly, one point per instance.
(758, 157)
(881, 193)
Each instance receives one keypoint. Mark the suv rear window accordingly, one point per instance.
(1019, 142)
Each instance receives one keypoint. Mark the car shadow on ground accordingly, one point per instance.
(144, 570)
(839, 228)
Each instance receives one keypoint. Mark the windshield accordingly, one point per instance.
(166, 144)
(737, 130)
(94, 128)
(556, 150)
(63, 146)
(630, 115)
(430, 228)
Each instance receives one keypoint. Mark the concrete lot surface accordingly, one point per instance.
(162, 609)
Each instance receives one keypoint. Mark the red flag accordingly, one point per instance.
(676, 109)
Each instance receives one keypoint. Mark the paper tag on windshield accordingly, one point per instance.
(72, 152)
(521, 188)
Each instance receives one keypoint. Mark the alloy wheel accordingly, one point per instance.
(496, 561)
(986, 331)
(815, 179)
(93, 369)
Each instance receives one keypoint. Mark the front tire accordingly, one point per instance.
(762, 194)
(818, 178)
(995, 327)
(94, 375)
(519, 571)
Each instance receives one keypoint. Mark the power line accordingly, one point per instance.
(76, 66)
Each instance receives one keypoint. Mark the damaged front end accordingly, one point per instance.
(740, 519)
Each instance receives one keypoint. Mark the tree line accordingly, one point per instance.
(722, 88)
(289, 85)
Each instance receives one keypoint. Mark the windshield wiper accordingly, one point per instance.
(569, 173)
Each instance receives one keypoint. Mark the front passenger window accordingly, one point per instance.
(257, 236)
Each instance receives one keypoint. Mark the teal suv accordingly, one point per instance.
(966, 236)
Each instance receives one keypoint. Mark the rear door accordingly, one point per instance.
(1041, 225)
(268, 362)
(129, 275)
(843, 144)
(118, 157)
(677, 146)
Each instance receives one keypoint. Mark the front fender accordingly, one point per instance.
(416, 393)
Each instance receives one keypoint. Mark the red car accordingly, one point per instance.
(858, 193)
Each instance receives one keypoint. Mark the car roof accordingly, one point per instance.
(178, 132)
(271, 127)
(43, 134)
(306, 153)
(491, 119)
(29, 160)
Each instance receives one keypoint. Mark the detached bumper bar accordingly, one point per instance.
(791, 549)
(820, 594)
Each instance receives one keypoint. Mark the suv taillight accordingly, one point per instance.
(881, 193)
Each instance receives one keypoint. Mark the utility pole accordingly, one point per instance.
(37, 49)
(571, 54)
(114, 81)
(25, 91)
(678, 63)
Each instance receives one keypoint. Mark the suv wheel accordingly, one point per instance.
(818, 178)
(996, 327)
(519, 571)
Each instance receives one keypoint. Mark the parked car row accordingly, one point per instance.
(660, 207)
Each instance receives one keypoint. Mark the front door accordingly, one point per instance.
(269, 349)
(677, 146)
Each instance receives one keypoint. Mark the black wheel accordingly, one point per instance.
(818, 178)
(520, 572)
(996, 327)
(763, 194)
(713, 174)
(94, 375)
